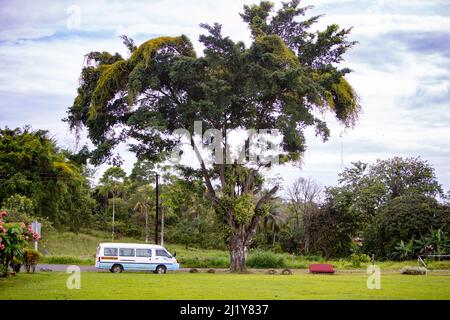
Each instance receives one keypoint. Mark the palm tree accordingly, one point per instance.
(142, 206)
(274, 220)
(112, 183)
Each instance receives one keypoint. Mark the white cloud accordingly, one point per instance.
(40, 56)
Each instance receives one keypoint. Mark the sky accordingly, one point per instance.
(400, 69)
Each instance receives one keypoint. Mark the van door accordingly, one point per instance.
(162, 257)
(144, 259)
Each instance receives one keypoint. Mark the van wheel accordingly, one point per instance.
(160, 269)
(117, 268)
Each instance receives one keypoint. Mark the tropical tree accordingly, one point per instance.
(143, 204)
(41, 180)
(112, 184)
(304, 196)
(279, 83)
(275, 219)
(403, 218)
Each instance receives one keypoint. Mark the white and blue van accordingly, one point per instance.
(118, 257)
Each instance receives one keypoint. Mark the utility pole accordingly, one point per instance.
(162, 226)
(157, 210)
(146, 219)
(113, 213)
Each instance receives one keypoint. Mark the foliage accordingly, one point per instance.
(358, 259)
(31, 258)
(14, 239)
(332, 228)
(404, 251)
(403, 218)
(38, 179)
(435, 242)
(265, 259)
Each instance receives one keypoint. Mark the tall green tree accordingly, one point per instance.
(113, 186)
(32, 166)
(279, 82)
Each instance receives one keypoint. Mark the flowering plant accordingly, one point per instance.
(14, 239)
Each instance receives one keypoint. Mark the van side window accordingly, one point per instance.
(110, 251)
(163, 253)
(126, 252)
(143, 252)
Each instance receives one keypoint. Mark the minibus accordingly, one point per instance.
(118, 257)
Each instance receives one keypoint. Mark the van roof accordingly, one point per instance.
(130, 245)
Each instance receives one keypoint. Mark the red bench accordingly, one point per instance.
(321, 268)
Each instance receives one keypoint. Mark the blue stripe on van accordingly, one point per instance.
(138, 266)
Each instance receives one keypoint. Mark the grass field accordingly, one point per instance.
(223, 286)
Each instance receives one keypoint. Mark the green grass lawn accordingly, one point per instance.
(104, 285)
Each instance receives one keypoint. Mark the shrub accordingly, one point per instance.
(357, 259)
(414, 270)
(216, 262)
(31, 258)
(265, 259)
(403, 218)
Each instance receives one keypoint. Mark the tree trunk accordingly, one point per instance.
(238, 252)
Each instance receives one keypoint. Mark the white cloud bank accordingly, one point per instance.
(404, 87)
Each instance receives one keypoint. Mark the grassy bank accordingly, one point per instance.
(222, 286)
(71, 248)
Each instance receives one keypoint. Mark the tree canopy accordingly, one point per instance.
(54, 186)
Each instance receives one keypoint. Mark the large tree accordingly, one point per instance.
(33, 168)
(282, 81)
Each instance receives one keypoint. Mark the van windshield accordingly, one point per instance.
(163, 253)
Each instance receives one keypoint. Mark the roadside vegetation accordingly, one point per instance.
(79, 249)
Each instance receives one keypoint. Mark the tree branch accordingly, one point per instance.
(255, 219)
(211, 193)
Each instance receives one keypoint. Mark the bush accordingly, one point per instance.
(265, 259)
(403, 218)
(31, 258)
(414, 270)
(356, 259)
(216, 262)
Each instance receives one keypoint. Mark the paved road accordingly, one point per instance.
(63, 267)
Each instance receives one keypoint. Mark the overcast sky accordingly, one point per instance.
(401, 69)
